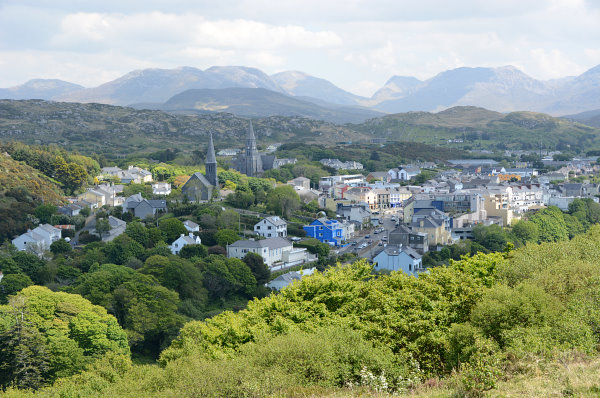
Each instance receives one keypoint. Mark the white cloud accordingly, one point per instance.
(353, 43)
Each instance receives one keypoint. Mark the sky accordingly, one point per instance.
(356, 44)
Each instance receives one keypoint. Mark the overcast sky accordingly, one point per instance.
(356, 44)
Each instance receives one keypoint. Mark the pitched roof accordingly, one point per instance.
(190, 224)
(277, 221)
(271, 243)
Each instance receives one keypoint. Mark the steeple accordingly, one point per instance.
(250, 139)
(210, 153)
(211, 163)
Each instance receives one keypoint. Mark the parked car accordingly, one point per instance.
(354, 243)
(367, 236)
(294, 238)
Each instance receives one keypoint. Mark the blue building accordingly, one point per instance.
(326, 231)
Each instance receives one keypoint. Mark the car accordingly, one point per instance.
(384, 238)
(367, 236)
(354, 243)
(376, 231)
(380, 243)
(295, 239)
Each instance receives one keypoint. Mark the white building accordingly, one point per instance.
(271, 227)
(404, 173)
(184, 240)
(161, 188)
(398, 258)
(274, 251)
(39, 239)
(191, 226)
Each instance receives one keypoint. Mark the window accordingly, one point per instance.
(269, 227)
(258, 227)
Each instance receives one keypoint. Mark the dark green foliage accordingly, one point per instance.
(139, 233)
(61, 246)
(44, 212)
(259, 269)
(11, 284)
(189, 251)
(226, 237)
(172, 228)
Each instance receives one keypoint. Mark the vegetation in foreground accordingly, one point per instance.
(482, 325)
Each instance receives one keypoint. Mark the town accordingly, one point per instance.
(393, 218)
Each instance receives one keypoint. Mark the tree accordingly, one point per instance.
(11, 284)
(138, 232)
(245, 283)
(172, 228)
(61, 246)
(44, 212)
(229, 219)
(189, 251)
(147, 311)
(226, 237)
(121, 249)
(46, 335)
(259, 269)
(283, 200)
(526, 231)
(102, 226)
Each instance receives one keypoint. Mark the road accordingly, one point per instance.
(373, 240)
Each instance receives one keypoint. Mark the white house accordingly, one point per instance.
(271, 227)
(398, 258)
(272, 250)
(161, 188)
(404, 173)
(39, 239)
(184, 240)
(191, 226)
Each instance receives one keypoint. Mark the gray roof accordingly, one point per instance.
(190, 224)
(428, 222)
(402, 229)
(277, 221)
(271, 243)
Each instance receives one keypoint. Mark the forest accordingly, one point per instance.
(457, 330)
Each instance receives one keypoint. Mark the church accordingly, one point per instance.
(200, 187)
(252, 163)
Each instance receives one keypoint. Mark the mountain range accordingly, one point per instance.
(502, 89)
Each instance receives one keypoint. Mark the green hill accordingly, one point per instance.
(479, 128)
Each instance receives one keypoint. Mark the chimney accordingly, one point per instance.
(182, 235)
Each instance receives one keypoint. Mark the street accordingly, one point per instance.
(371, 243)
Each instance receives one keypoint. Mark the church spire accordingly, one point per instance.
(210, 153)
(211, 163)
(250, 139)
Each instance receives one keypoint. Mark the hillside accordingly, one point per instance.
(481, 128)
(115, 131)
(259, 102)
(15, 174)
(22, 188)
(590, 118)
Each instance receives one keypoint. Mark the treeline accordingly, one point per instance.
(463, 326)
(136, 278)
(70, 170)
(544, 225)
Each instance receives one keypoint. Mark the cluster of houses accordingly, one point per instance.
(339, 165)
